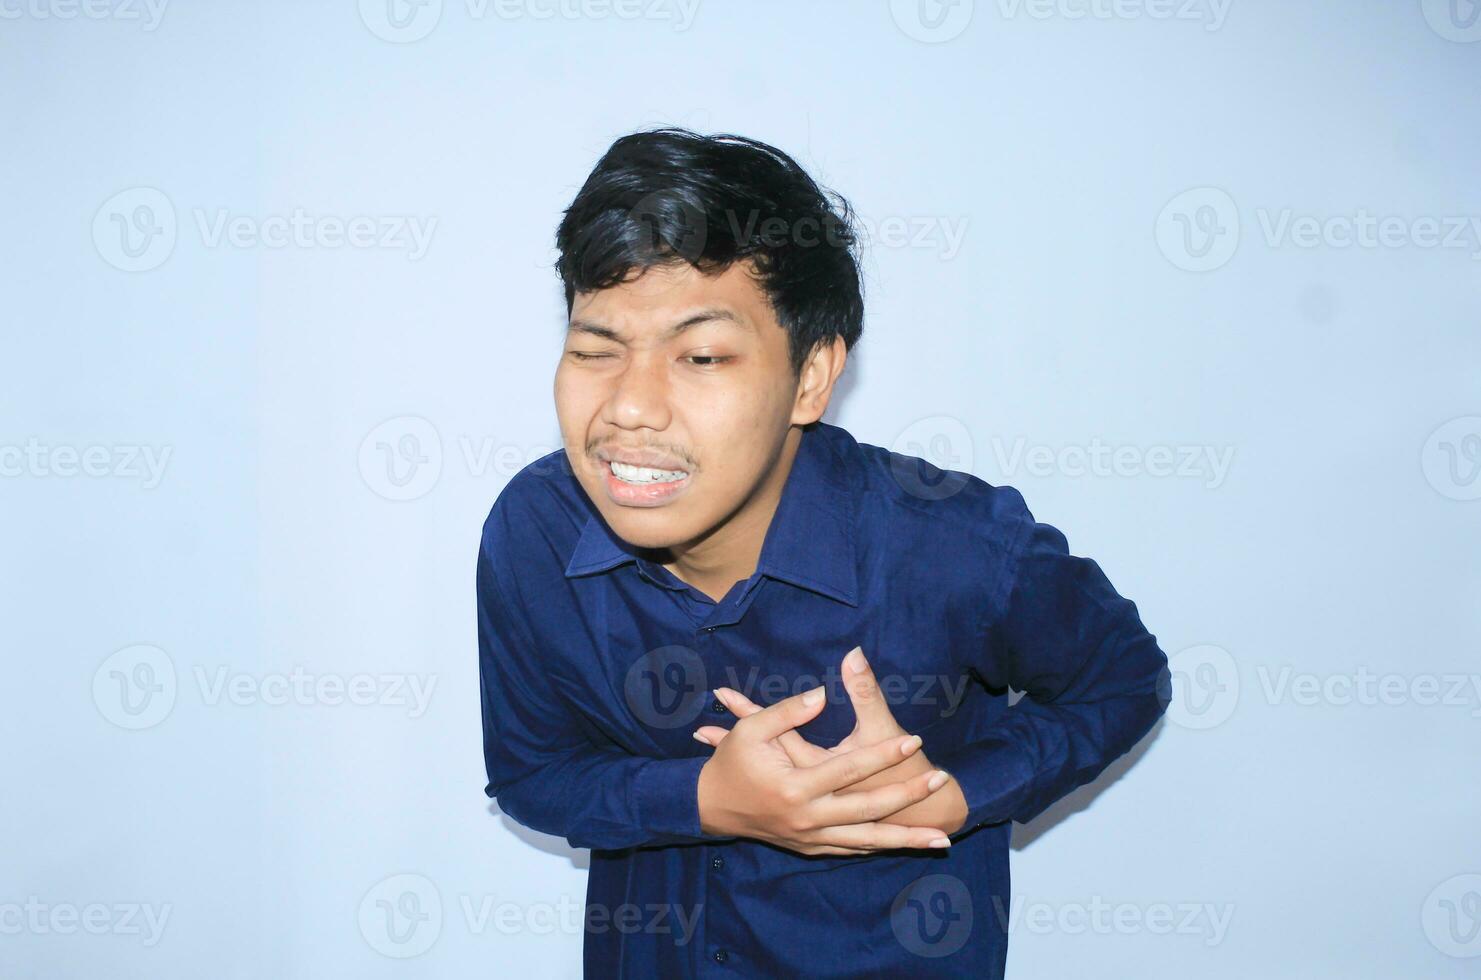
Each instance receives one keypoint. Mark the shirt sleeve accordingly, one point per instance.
(1094, 682)
(544, 771)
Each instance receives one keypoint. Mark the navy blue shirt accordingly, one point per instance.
(597, 663)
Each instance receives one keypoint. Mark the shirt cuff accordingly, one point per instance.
(995, 777)
(666, 794)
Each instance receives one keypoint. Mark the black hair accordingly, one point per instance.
(670, 195)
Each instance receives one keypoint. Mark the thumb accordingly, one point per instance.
(870, 707)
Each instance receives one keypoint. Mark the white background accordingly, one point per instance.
(1130, 229)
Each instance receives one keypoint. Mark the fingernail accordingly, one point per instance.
(941, 842)
(855, 660)
(700, 738)
(718, 692)
(910, 744)
(813, 697)
(937, 781)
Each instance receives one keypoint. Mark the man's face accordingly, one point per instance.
(674, 393)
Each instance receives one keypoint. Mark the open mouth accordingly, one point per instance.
(642, 486)
(644, 475)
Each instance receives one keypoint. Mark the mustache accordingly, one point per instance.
(593, 448)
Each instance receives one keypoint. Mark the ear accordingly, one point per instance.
(815, 384)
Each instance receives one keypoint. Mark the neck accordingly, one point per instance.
(730, 552)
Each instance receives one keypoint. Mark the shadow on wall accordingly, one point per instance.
(580, 857)
(1025, 834)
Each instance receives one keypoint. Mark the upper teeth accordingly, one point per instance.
(644, 474)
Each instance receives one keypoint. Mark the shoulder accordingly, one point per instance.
(538, 515)
(953, 507)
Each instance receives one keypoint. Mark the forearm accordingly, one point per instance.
(1036, 753)
(605, 799)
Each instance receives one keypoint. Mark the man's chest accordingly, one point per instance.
(638, 661)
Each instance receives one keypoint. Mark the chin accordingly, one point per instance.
(645, 527)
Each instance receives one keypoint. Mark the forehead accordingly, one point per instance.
(670, 299)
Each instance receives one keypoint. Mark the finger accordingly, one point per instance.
(802, 752)
(831, 850)
(798, 749)
(785, 715)
(875, 804)
(739, 705)
(838, 771)
(870, 705)
(711, 734)
(881, 836)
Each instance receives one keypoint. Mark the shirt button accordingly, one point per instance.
(717, 863)
(721, 956)
(718, 708)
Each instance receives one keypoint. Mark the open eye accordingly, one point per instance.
(709, 360)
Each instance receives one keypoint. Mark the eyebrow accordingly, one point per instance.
(693, 320)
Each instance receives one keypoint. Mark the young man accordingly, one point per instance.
(662, 603)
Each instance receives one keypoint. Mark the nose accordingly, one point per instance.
(640, 393)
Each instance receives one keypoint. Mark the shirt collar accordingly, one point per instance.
(810, 542)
